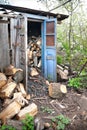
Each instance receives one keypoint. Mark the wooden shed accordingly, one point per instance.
(21, 30)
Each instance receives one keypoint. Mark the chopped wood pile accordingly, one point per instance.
(34, 54)
(15, 99)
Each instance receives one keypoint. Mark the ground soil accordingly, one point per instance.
(70, 105)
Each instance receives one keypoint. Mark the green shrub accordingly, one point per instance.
(75, 83)
(59, 59)
(7, 127)
(47, 109)
(28, 123)
(61, 121)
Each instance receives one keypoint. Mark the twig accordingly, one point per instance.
(54, 107)
(41, 98)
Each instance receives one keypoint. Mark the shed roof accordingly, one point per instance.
(26, 9)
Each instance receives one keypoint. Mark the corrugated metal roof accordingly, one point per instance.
(33, 11)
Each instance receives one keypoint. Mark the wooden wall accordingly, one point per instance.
(4, 46)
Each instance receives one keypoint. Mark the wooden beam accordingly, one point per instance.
(7, 15)
(4, 21)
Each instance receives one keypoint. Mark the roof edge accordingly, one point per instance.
(33, 11)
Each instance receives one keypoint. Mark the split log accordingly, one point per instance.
(10, 111)
(32, 48)
(30, 54)
(57, 90)
(9, 79)
(13, 108)
(22, 90)
(16, 73)
(33, 72)
(37, 49)
(7, 101)
(38, 41)
(47, 82)
(18, 76)
(3, 80)
(62, 73)
(31, 62)
(15, 123)
(7, 90)
(28, 97)
(9, 70)
(39, 64)
(31, 110)
(18, 96)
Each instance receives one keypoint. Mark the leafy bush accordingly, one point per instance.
(47, 109)
(61, 121)
(59, 59)
(28, 123)
(75, 82)
(7, 127)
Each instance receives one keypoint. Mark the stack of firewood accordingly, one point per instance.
(34, 51)
(15, 99)
(34, 55)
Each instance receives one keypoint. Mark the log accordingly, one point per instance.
(30, 109)
(17, 94)
(33, 72)
(9, 70)
(38, 42)
(30, 55)
(18, 76)
(39, 64)
(57, 90)
(30, 62)
(15, 123)
(28, 97)
(3, 80)
(7, 101)
(63, 73)
(22, 90)
(19, 97)
(7, 90)
(10, 111)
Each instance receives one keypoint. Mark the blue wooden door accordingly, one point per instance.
(50, 49)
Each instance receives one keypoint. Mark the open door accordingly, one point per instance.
(50, 49)
(19, 44)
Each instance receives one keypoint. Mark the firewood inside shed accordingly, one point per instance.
(34, 52)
